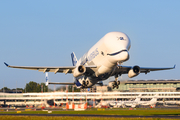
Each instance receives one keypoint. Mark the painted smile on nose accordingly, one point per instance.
(122, 55)
(112, 54)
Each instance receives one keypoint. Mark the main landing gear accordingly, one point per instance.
(116, 82)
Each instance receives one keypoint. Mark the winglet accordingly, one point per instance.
(174, 66)
(6, 64)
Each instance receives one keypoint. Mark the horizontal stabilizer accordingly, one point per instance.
(58, 83)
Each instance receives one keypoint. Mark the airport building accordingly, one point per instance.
(143, 86)
(167, 90)
(150, 86)
(62, 98)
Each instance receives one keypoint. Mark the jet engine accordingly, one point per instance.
(79, 70)
(134, 71)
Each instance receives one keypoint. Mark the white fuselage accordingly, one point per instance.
(105, 54)
(152, 102)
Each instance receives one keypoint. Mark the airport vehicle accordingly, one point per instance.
(102, 61)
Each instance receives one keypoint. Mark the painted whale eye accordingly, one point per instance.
(102, 53)
(121, 38)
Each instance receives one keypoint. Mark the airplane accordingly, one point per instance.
(151, 103)
(133, 103)
(138, 102)
(115, 103)
(111, 103)
(102, 61)
(121, 103)
(99, 104)
(170, 103)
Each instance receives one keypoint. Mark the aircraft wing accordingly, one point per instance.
(65, 69)
(62, 69)
(125, 69)
(146, 69)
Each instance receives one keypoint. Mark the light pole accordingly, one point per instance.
(16, 86)
(3, 88)
(25, 86)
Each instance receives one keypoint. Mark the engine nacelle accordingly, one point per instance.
(79, 70)
(134, 71)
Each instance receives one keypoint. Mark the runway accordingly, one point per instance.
(88, 115)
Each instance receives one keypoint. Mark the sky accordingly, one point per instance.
(46, 32)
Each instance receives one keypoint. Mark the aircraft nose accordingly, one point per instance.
(120, 56)
(124, 56)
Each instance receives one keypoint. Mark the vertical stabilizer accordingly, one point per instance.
(74, 62)
(138, 98)
(154, 99)
(47, 81)
(74, 59)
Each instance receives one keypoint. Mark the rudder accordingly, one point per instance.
(74, 59)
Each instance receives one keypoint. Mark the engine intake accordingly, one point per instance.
(134, 71)
(79, 70)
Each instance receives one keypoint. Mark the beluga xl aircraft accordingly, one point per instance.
(102, 61)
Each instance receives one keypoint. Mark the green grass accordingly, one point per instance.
(71, 118)
(145, 112)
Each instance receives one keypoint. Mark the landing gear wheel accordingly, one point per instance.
(118, 82)
(115, 85)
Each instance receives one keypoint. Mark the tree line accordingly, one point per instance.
(38, 87)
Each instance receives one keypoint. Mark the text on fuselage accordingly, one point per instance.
(90, 57)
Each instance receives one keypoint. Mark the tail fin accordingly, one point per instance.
(74, 59)
(138, 98)
(154, 99)
(47, 81)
